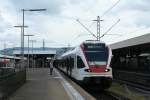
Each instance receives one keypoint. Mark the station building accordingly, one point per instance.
(38, 57)
(132, 54)
(131, 61)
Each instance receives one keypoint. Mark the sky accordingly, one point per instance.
(58, 27)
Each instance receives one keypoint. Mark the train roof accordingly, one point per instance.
(72, 50)
(132, 42)
(93, 41)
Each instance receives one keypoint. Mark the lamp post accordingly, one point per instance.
(28, 49)
(22, 45)
(22, 56)
(21, 27)
(32, 41)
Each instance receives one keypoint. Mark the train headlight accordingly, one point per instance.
(107, 70)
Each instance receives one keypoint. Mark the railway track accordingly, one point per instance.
(115, 96)
(134, 79)
(132, 84)
(102, 94)
(96, 92)
(105, 96)
(134, 89)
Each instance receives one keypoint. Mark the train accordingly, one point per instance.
(8, 64)
(87, 63)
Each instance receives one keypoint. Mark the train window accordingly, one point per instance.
(93, 47)
(80, 63)
(72, 62)
(97, 56)
(144, 63)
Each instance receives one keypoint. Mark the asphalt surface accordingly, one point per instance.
(40, 86)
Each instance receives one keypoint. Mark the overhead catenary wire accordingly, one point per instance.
(82, 35)
(91, 24)
(86, 28)
(110, 28)
(115, 34)
(110, 8)
(98, 23)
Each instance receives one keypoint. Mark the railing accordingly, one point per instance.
(10, 82)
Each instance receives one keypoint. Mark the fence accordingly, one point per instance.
(10, 82)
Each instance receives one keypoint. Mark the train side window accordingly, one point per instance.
(71, 62)
(80, 63)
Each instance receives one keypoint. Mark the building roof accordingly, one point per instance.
(37, 51)
(132, 42)
(17, 50)
(9, 57)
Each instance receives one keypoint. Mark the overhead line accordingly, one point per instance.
(110, 28)
(86, 28)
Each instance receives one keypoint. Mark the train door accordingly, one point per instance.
(74, 74)
(80, 63)
(70, 63)
(75, 62)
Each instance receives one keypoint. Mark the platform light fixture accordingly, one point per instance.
(22, 42)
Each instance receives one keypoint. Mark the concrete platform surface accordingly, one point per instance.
(41, 86)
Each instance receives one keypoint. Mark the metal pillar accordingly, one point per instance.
(98, 28)
(28, 48)
(22, 40)
(32, 51)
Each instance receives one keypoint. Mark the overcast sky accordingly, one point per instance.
(58, 25)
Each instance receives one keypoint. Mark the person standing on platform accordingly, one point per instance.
(51, 67)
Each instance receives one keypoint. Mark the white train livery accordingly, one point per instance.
(87, 63)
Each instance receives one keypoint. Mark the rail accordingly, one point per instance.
(115, 96)
(133, 79)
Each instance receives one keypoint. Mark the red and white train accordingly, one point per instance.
(88, 63)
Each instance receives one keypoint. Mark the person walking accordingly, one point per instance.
(51, 67)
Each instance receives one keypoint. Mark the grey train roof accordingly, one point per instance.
(131, 42)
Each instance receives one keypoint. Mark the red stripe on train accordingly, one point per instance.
(97, 68)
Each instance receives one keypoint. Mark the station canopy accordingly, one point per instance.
(36, 51)
(144, 39)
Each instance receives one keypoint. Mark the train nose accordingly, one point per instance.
(97, 69)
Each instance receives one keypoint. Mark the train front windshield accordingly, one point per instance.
(96, 54)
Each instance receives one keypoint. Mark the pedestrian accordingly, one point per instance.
(51, 67)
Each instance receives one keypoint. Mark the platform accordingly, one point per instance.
(40, 85)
